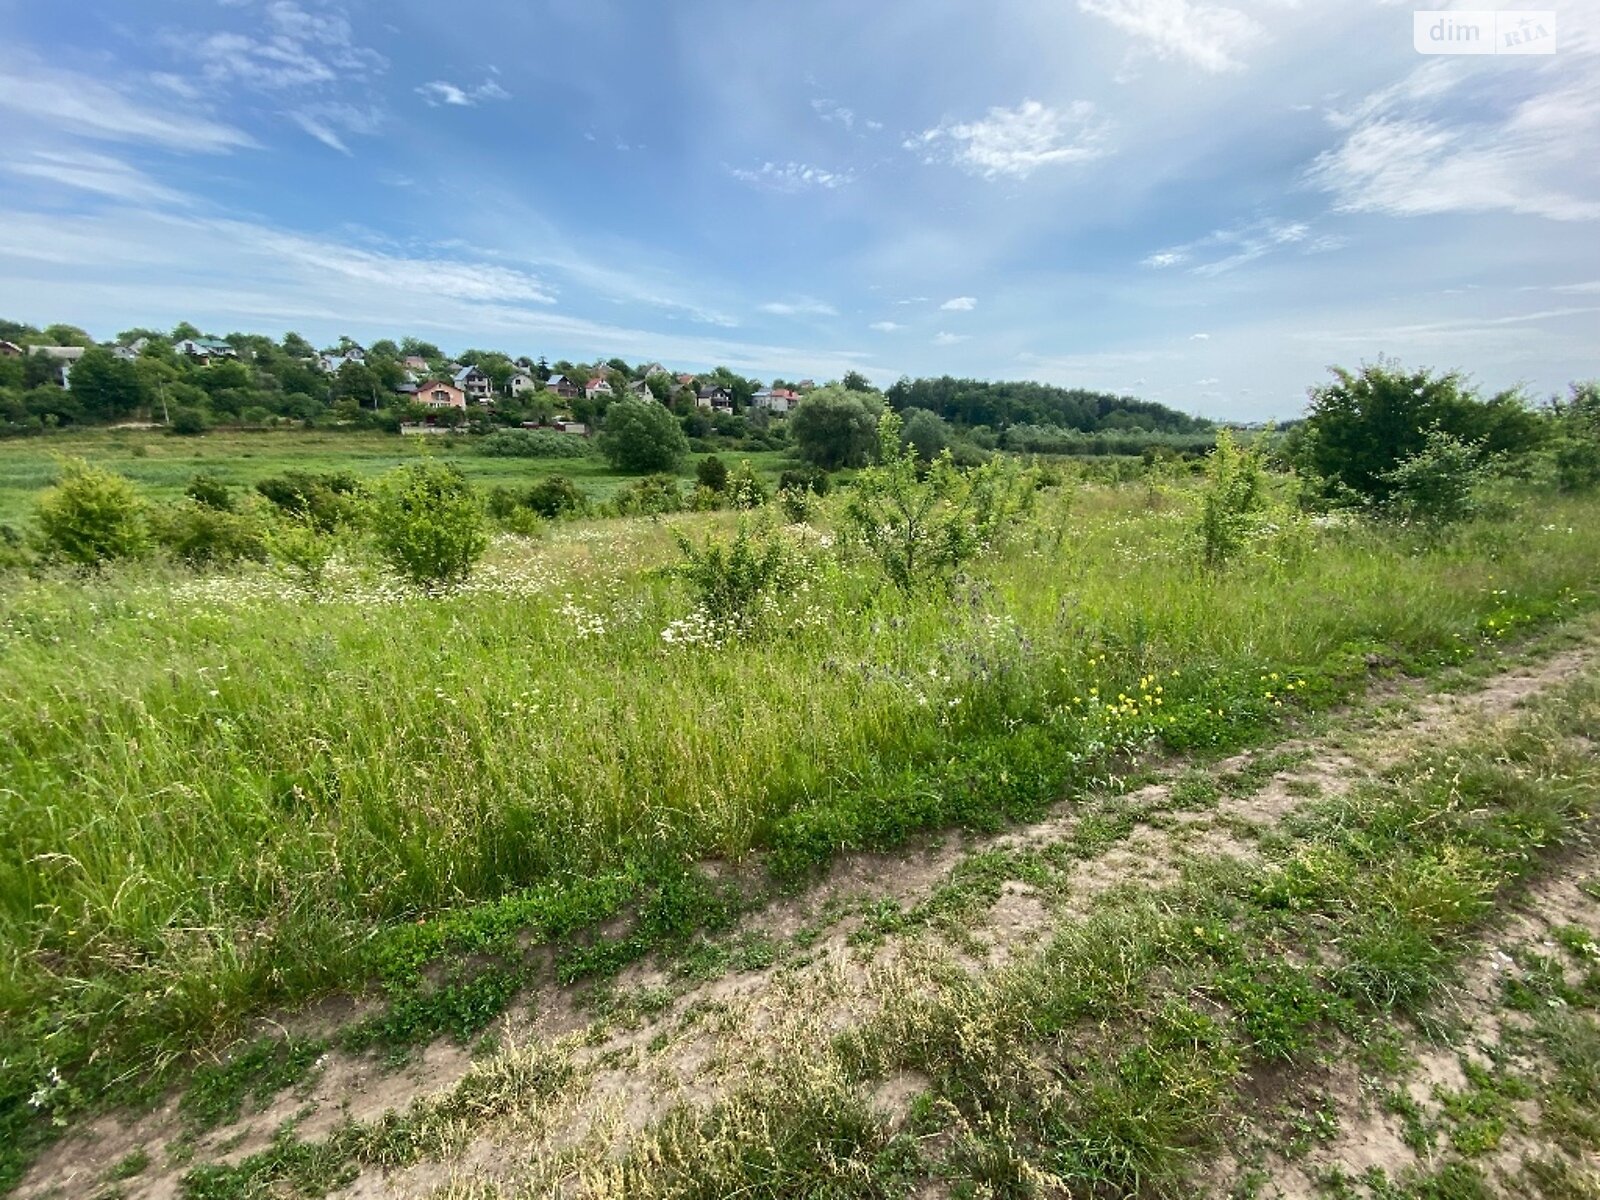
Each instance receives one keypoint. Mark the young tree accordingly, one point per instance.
(641, 436)
(925, 432)
(92, 516)
(429, 524)
(834, 427)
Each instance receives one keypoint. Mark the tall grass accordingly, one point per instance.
(213, 790)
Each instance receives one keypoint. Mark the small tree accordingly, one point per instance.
(92, 516)
(1439, 485)
(429, 524)
(745, 489)
(732, 580)
(1233, 499)
(712, 473)
(641, 436)
(920, 529)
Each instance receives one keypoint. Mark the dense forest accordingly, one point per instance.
(975, 402)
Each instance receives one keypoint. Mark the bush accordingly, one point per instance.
(921, 530)
(745, 489)
(302, 550)
(210, 492)
(1361, 427)
(712, 473)
(552, 498)
(812, 479)
(328, 500)
(649, 496)
(1437, 486)
(92, 517)
(796, 504)
(206, 536)
(188, 422)
(641, 436)
(533, 443)
(429, 524)
(733, 580)
(1232, 500)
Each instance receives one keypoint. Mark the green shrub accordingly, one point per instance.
(429, 524)
(301, 550)
(642, 436)
(745, 489)
(556, 496)
(209, 491)
(532, 443)
(797, 505)
(650, 496)
(188, 422)
(203, 536)
(1438, 485)
(812, 479)
(328, 500)
(731, 580)
(923, 529)
(92, 516)
(712, 474)
(1233, 499)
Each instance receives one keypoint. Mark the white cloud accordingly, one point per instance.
(791, 177)
(1406, 150)
(886, 326)
(959, 304)
(1015, 141)
(949, 339)
(70, 102)
(441, 92)
(329, 122)
(831, 111)
(799, 308)
(1592, 285)
(1199, 337)
(1227, 249)
(1207, 382)
(97, 173)
(1211, 36)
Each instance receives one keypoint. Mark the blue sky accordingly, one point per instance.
(1203, 203)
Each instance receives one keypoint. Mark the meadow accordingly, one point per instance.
(162, 465)
(225, 794)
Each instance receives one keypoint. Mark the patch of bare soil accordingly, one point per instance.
(1477, 1031)
(708, 1036)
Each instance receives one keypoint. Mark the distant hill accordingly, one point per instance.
(974, 402)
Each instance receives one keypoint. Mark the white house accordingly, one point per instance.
(205, 348)
(63, 356)
(521, 382)
(596, 387)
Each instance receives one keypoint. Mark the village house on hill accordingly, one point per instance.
(474, 383)
(560, 385)
(717, 399)
(596, 387)
(436, 393)
(205, 348)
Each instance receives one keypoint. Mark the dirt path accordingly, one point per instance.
(878, 926)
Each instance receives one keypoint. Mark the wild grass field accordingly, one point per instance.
(163, 465)
(227, 794)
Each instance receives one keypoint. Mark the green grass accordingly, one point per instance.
(162, 465)
(222, 796)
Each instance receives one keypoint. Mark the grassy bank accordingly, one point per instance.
(222, 794)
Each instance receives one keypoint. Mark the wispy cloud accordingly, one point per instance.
(71, 102)
(1211, 36)
(97, 173)
(949, 339)
(886, 326)
(959, 304)
(1199, 337)
(1227, 249)
(330, 122)
(835, 113)
(1016, 142)
(799, 308)
(791, 177)
(439, 93)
